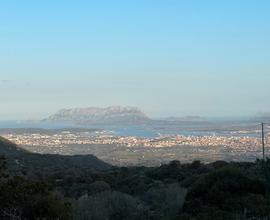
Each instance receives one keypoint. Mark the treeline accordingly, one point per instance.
(174, 191)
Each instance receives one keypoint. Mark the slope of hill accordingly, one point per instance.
(19, 159)
(93, 115)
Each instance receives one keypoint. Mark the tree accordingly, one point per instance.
(25, 199)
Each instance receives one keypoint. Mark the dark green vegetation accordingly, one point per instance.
(19, 159)
(34, 186)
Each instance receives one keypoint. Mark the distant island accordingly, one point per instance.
(95, 115)
(112, 115)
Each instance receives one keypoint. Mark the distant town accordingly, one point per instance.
(66, 138)
(131, 150)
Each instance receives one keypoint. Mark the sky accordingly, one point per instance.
(169, 58)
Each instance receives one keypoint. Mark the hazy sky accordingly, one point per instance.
(168, 57)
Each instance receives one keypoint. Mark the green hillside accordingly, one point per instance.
(20, 159)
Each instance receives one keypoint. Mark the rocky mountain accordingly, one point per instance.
(94, 115)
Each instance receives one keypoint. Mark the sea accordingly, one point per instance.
(136, 131)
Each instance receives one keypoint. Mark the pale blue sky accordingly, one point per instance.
(173, 57)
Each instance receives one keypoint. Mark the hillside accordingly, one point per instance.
(19, 159)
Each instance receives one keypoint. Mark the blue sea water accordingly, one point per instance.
(137, 131)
